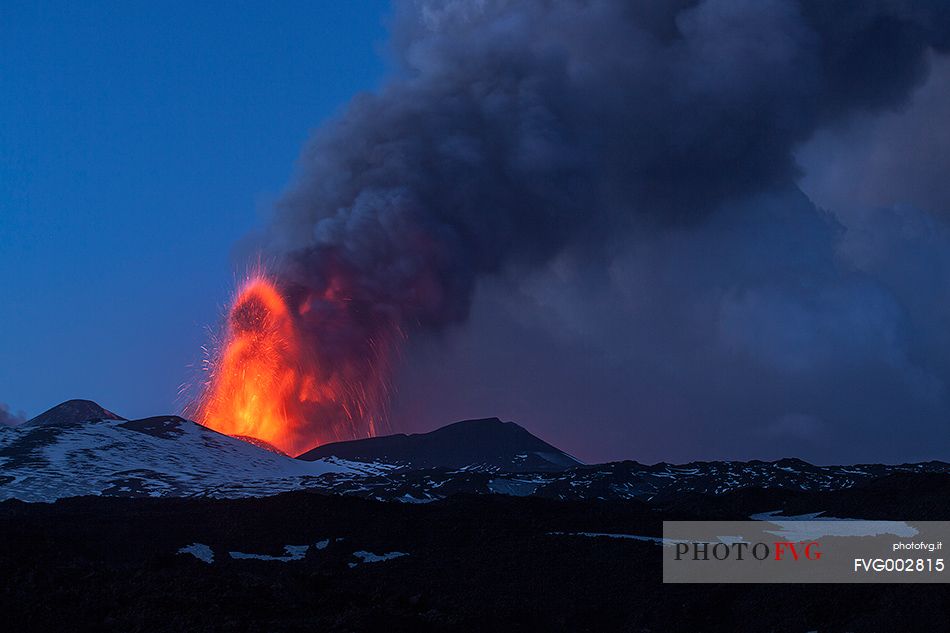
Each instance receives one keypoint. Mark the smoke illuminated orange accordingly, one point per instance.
(288, 369)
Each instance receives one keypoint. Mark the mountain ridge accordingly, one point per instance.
(168, 456)
(481, 443)
(73, 411)
(79, 448)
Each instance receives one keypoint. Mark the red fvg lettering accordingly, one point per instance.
(811, 550)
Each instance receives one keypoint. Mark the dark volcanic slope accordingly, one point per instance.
(73, 411)
(469, 563)
(486, 444)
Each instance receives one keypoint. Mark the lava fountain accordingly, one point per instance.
(254, 385)
(267, 379)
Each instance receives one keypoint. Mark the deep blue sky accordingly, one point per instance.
(138, 142)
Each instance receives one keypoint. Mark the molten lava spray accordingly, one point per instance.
(268, 379)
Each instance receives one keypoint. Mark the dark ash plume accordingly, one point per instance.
(515, 130)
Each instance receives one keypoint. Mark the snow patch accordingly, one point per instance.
(369, 557)
(408, 498)
(516, 487)
(665, 542)
(200, 551)
(636, 537)
(293, 552)
(811, 527)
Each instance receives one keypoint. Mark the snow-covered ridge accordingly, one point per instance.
(55, 456)
(164, 456)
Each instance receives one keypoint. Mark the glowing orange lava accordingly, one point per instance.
(298, 367)
(261, 379)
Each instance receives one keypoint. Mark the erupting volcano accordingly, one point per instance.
(269, 381)
(256, 385)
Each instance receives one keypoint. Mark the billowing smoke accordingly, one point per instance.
(520, 138)
(9, 418)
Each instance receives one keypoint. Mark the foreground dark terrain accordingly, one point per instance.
(470, 562)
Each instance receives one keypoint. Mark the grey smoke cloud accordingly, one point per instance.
(623, 176)
(705, 341)
(898, 158)
(9, 418)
